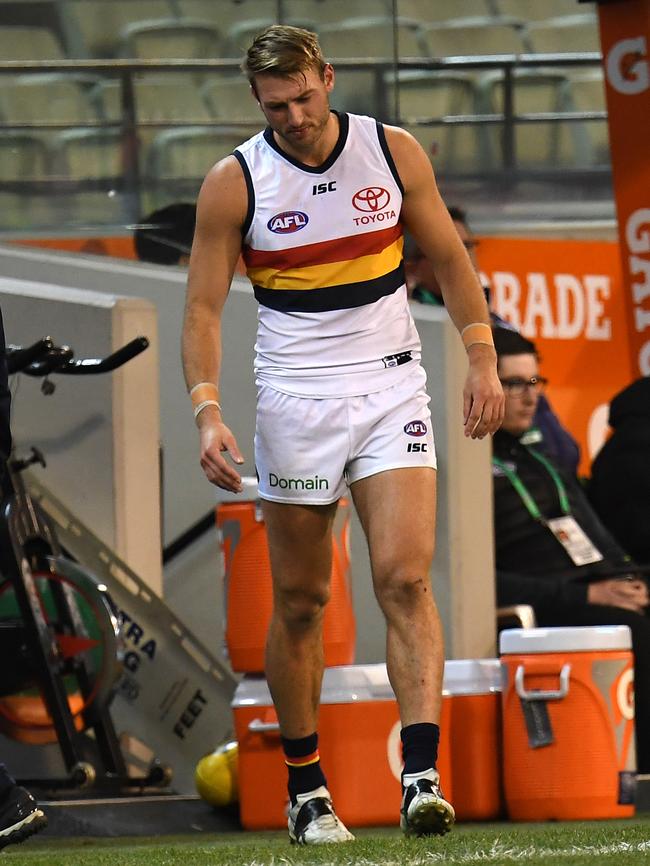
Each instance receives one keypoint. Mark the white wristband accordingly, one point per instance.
(201, 384)
(205, 403)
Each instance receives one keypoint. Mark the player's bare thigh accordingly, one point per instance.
(397, 509)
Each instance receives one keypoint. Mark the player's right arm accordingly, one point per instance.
(221, 211)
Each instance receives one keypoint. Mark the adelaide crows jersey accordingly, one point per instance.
(323, 249)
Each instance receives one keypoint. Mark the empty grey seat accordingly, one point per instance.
(425, 96)
(241, 34)
(372, 38)
(190, 152)
(101, 22)
(475, 36)
(29, 43)
(538, 10)
(569, 33)
(443, 10)
(230, 98)
(171, 38)
(50, 97)
(539, 144)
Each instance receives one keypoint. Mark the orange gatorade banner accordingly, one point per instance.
(567, 296)
(625, 41)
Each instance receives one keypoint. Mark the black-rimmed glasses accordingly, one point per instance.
(515, 386)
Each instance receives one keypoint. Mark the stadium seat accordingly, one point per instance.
(569, 33)
(475, 36)
(433, 95)
(332, 11)
(100, 23)
(171, 38)
(226, 13)
(50, 97)
(24, 162)
(372, 38)
(443, 10)
(229, 98)
(536, 10)
(190, 152)
(539, 144)
(29, 43)
(241, 34)
(587, 90)
(96, 157)
(23, 157)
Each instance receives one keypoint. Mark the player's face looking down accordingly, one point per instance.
(297, 108)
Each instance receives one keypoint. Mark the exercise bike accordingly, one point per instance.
(58, 624)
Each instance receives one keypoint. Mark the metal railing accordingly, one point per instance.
(133, 179)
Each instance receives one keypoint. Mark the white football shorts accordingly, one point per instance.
(308, 450)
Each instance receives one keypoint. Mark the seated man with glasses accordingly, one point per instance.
(551, 550)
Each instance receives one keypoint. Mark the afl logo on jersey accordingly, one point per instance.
(287, 222)
(415, 428)
(371, 199)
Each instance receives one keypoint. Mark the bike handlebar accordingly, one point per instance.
(44, 358)
(19, 358)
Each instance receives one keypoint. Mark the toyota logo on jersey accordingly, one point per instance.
(371, 198)
(287, 222)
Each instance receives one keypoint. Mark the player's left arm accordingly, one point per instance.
(425, 216)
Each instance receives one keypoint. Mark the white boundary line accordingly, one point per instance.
(496, 852)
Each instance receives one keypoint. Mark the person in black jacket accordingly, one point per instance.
(551, 550)
(20, 815)
(619, 488)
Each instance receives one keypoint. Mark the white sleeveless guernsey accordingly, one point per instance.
(323, 250)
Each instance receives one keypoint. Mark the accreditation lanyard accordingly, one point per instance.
(576, 543)
(523, 491)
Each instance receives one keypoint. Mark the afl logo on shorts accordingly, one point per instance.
(287, 222)
(415, 428)
(371, 199)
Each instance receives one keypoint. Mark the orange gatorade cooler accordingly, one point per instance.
(470, 748)
(568, 723)
(248, 590)
(359, 744)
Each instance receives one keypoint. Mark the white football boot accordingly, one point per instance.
(312, 821)
(425, 812)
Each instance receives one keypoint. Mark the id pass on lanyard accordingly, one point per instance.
(578, 545)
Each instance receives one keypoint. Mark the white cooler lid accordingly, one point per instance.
(472, 677)
(348, 684)
(566, 639)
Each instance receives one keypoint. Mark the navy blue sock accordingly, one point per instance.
(419, 747)
(303, 762)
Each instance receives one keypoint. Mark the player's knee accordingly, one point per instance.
(301, 609)
(402, 591)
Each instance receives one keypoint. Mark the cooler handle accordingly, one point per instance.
(539, 694)
(257, 726)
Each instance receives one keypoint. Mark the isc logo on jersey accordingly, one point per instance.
(415, 428)
(287, 222)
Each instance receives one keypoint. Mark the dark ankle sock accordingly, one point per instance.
(419, 747)
(303, 762)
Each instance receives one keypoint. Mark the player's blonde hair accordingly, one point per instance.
(284, 51)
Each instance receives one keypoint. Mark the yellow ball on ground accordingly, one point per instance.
(215, 776)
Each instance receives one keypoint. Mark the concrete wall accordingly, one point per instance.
(463, 570)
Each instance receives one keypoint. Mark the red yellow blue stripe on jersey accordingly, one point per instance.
(330, 275)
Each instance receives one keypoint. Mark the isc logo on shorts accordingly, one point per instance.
(415, 428)
(287, 222)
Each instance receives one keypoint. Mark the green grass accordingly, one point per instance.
(619, 843)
